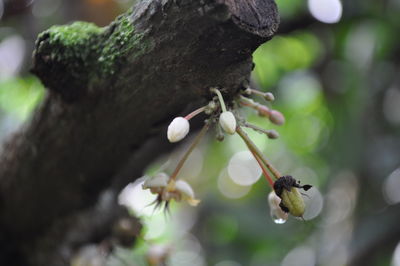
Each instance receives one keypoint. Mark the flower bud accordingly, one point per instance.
(276, 117)
(263, 110)
(269, 96)
(178, 129)
(228, 122)
(272, 134)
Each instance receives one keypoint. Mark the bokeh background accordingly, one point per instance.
(333, 68)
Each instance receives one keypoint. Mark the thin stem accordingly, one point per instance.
(191, 148)
(250, 144)
(262, 94)
(248, 102)
(195, 112)
(265, 172)
(272, 134)
(221, 100)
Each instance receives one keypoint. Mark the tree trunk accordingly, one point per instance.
(111, 92)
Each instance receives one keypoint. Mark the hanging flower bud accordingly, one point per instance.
(276, 117)
(228, 122)
(272, 134)
(263, 110)
(269, 96)
(277, 214)
(286, 188)
(178, 129)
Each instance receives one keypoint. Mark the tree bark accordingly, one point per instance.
(111, 92)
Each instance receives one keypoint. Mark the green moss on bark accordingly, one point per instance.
(122, 44)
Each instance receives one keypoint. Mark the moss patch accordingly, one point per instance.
(123, 43)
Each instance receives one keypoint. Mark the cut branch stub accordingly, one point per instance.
(256, 16)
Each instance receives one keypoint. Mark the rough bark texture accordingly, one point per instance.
(111, 92)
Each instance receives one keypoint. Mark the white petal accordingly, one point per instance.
(178, 129)
(160, 180)
(273, 200)
(228, 122)
(186, 192)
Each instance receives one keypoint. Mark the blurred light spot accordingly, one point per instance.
(187, 252)
(341, 199)
(229, 188)
(183, 220)
(1, 8)
(156, 227)
(396, 256)
(361, 44)
(308, 129)
(306, 176)
(299, 89)
(193, 165)
(391, 187)
(228, 263)
(45, 8)
(300, 256)
(12, 52)
(327, 11)
(391, 106)
(244, 169)
(138, 199)
(314, 203)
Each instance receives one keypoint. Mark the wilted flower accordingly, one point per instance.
(178, 129)
(276, 212)
(167, 189)
(228, 122)
(291, 200)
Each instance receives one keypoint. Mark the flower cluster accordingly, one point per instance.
(285, 197)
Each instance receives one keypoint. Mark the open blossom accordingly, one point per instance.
(228, 122)
(167, 189)
(178, 129)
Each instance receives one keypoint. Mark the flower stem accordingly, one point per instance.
(195, 112)
(221, 100)
(252, 147)
(265, 172)
(191, 148)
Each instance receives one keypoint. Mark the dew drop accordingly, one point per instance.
(278, 220)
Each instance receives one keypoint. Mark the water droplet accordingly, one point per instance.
(278, 220)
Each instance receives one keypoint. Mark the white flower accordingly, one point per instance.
(156, 183)
(168, 189)
(228, 122)
(178, 129)
(186, 192)
(276, 211)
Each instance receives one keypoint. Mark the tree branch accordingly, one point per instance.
(110, 89)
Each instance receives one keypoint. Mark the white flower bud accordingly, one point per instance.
(186, 191)
(178, 129)
(228, 122)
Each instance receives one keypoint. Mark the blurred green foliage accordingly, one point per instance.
(20, 95)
